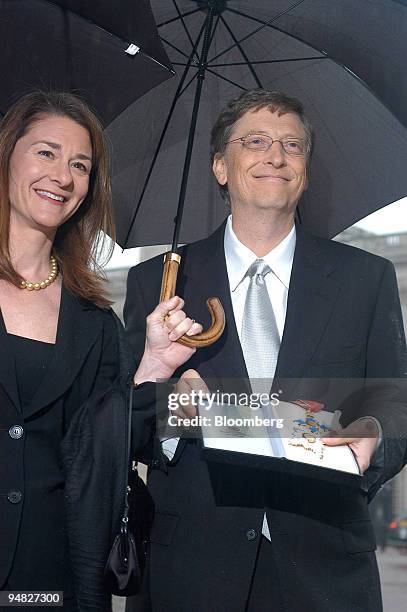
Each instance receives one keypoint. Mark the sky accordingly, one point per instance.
(391, 219)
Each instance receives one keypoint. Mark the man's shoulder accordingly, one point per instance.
(345, 253)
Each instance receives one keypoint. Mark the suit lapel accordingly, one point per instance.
(206, 276)
(311, 298)
(313, 291)
(8, 379)
(78, 329)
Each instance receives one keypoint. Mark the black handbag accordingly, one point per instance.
(122, 571)
(95, 458)
(125, 564)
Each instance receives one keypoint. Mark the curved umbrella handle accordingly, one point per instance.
(168, 287)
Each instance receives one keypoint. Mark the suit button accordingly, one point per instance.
(251, 535)
(14, 497)
(155, 463)
(144, 545)
(15, 432)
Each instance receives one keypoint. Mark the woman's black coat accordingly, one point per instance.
(84, 366)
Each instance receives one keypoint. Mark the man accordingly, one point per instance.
(234, 540)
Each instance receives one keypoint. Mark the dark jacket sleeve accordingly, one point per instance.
(382, 392)
(149, 399)
(108, 370)
(386, 372)
(135, 314)
(387, 357)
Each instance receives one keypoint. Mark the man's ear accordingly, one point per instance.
(219, 169)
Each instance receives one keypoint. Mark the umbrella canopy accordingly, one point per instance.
(342, 59)
(109, 53)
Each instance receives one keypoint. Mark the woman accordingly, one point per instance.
(58, 336)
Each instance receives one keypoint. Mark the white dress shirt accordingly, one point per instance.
(238, 260)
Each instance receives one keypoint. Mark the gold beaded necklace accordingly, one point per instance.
(53, 273)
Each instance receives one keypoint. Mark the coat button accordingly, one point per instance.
(144, 545)
(14, 497)
(15, 432)
(251, 535)
(155, 463)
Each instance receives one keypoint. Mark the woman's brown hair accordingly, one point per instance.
(80, 240)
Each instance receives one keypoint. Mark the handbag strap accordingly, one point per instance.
(127, 489)
(127, 364)
(126, 372)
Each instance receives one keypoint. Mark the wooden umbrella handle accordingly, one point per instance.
(168, 290)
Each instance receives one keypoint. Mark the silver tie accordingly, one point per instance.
(260, 337)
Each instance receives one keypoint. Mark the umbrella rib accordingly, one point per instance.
(191, 80)
(258, 20)
(164, 23)
(114, 36)
(167, 42)
(185, 27)
(163, 132)
(274, 27)
(278, 61)
(324, 54)
(220, 76)
(244, 55)
(264, 24)
(150, 57)
(214, 30)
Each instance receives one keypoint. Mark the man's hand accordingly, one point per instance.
(361, 436)
(162, 353)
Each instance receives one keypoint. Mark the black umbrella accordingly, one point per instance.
(334, 56)
(344, 59)
(107, 52)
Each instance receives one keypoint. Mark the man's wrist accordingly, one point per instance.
(375, 429)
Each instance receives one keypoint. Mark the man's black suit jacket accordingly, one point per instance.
(343, 321)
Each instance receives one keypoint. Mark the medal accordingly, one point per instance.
(307, 431)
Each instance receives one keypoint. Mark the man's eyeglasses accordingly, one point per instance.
(262, 142)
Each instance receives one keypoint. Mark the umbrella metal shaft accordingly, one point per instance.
(192, 128)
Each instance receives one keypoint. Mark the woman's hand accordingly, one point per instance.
(162, 353)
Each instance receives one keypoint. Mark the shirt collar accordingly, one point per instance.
(239, 257)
